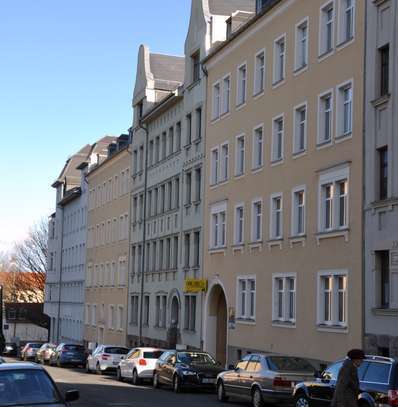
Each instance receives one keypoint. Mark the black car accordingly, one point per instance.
(181, 369)
(68, 354)
(28, 384)
(11, 349)
(378, 379)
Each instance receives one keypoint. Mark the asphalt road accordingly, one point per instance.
(106, 391)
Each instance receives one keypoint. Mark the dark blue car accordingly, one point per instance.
(69, 354)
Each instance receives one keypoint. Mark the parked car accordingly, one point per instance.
(29, 351)
(105, 358)
(264, 379)
(378, 380)
(2, 360)
(68, 354)
(11, 349)
(44, 353)
(181, 369)
(25, 384)
(138, 365)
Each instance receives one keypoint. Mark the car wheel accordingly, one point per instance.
(257, 398)
(221, 396)
(136, 380)
(98, 369)
(176, 384)
(156, 382)
(301, 400)
(119, 377)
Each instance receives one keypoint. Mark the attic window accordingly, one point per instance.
(261, 4)
(195, 58)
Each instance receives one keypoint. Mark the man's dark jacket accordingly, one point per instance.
(347, 386)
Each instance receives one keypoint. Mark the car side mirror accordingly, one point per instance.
(72, 395)
(231, 367)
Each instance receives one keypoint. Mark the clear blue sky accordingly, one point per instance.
(67, 71)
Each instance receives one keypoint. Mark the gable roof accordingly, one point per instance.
(227, 7)
(167, 70)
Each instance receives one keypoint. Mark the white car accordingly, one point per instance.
(138, 364)
(105, 358)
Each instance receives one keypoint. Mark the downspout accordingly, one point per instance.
(60, 274)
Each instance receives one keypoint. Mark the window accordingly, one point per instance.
(241, 85)
(175, 252)
(198, 113)
(325, 118)
(260, 4)
(187, 249)
(332, 298)
(188, 188)
(226, 93)
(344, 106)
(277, 139)
(382, 258)
(176, 192)
(171, 140)
(298, 212)
(383, 172)
(146, 310)
(218, 226)
(301, 45)
(198, 184)
(195, 60)
(276, 224)
(157, 149)
(178, 136)
(196, 249)
(94, 315)
(164, 145)
(279, 59)
(120, 312)
(384, 58)
(258, 148)
(224, 162)
(240, 156)
(257, 216)
(246, 298)
(284, 298)
(346, 23)
(216, 100)
(239, 224)
(161, 302)
(189, 129)
(190, 312)
(214, 166)
(259, 73)
(300, 129)
(327, 29)
(334, 201)
(377, 373)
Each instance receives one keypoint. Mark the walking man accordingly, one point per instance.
(347, 386)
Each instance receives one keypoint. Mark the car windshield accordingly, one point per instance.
(116, 351)
(194, 358)
(73, 348)
(26, 387)
(35, 345)
(289, 364)
(153, 354)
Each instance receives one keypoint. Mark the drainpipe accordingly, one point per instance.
(143, 251)
(60, 274)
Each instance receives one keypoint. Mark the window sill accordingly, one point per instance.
(297, 239)
(325, 54)
(258, 94)
(278, 83)
(189, 331)
(239, 176)
(279, 161)
(246, 321)
(299, 70)
(384, 205)
(385, 312)
(238, 247)
(188, 146)
(340, 329)
(258, 244)
(193, 84)
(187, 205)
(343, 137)
(258, 169)
(299, 154)
(380, 101)
(197, 140)
(324, 144)
(197, 202)
(275, 242)
(218, 250)
(345, 43)
(332, 234)
(283, 324)
(240, 106)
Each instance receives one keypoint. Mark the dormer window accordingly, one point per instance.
(195, 60)
(260, 5)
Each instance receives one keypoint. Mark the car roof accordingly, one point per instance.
(149, 349)
(20, 366)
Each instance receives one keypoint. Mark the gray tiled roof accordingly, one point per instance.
(227, 7)
(168, 70)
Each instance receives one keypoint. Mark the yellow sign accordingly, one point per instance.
(193, 285)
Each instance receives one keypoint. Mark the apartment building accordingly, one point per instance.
(108, 244)
(283, 184)
(65, 278)
(381, 181)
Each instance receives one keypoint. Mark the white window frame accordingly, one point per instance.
(294, 224)
(334, 275)
(296, 128)
(298, 65)
(247, 315)
(322, 44)
(216, 103)
(272, 225)
(241, 92)
(321, 122)
(255, 150)
(258, 79)
(226, 102)
(237, 138)
(342, 34)
(276, 119)
(333, 177)
(340, 133)
(285, 318)
(276, 67)
(254, 220)
(119, 317)
(214, 166)
(216, 211)
(224, 162)
(237, 241)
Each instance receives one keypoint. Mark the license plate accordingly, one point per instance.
(208, 381)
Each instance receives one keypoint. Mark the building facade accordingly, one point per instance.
(381, 181)
(283, 184)
(107, 244)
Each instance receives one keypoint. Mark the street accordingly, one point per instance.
(106, 391)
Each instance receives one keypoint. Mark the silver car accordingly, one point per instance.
(105, 358)
(264, 379)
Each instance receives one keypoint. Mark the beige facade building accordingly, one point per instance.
(108, 246)
(283, 182)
